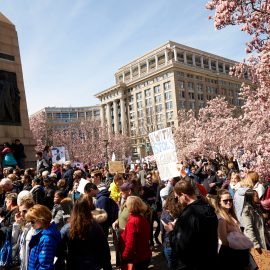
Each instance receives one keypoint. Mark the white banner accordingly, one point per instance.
(82, 184)
(58, 155)
(163, 146)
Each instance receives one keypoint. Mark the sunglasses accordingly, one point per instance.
(23, 212)
(33, 222)
(228, 200)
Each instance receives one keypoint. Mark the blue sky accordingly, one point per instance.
(70, 49)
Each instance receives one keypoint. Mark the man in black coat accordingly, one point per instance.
(194, 238)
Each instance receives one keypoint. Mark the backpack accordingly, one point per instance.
(6, 251)
(114, 209)
(265, 201)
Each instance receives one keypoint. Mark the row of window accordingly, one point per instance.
(72, 115)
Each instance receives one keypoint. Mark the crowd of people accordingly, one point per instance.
(207, 217)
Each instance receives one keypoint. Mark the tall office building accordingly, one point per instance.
(61, 117)
(150, 90)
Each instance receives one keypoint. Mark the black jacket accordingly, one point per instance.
(194, 240)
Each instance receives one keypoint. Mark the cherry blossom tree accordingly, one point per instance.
(40, 130)
(253, 17)
(214, 133)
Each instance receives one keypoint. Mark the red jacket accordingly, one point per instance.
(136, 240)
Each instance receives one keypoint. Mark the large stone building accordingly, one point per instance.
(61, 117)
(150, 90)
(14, 122)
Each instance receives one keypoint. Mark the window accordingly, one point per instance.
(199, 87)
(140, 114)
(147, 92)
(159, 118)
(182, 104)
(65, 115)
(132, 115)
(157, 89)
(139, 104)
(7, 57)
(183, 94)
(149, 110)
(139, 96)
(81, 114)
(190, 85)
(180, 74)
(191, 95)
(159, 108)
(148, 102)
(167, 85)
(169, 105)
(192, 105)
(181, 84)
(158, 99)
(168, 95)
(190, 75)
(200, 97)
(169, 115)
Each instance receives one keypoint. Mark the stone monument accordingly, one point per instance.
(14, 121)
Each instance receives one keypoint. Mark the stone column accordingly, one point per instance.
(185, 57)
(166, 56)
(139, 70)
(175, 53)
(123, 115)
(131, 75)
(123, 76)
(202, 65)
(115, 114)
(224, 69)
(102, 115)
(156, 59)
(193, 60)
(217, 66)
(147, 66)
(209, 64)
(109, 118)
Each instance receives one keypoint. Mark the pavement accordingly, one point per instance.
(158, 262)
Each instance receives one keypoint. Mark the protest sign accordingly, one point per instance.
(163, 146)
(262, 260)
(82, 184)
(116, 167)
(58, 155)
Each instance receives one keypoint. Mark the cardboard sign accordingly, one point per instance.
(262, 260)
(116, 167)
(58, 155)
(163, 146)
(82, 184)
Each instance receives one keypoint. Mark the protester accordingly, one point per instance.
(194, 231)
(115, 187)
(229, 258)
(42, 165)
(19, 154)
(42, 246)
(136, 236)
(7, 156)
(254, 224)
(87, 246)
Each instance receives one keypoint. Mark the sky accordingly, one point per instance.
(70, 49)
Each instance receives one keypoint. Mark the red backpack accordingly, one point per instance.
(265, 201)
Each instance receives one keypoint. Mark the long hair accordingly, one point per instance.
(80, 220)
(228, 216)
(172, 206)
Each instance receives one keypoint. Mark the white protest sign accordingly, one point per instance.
(82, 184)
(58, 155)
(163, 146)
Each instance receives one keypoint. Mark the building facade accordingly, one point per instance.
(150, 90)
(61, 117)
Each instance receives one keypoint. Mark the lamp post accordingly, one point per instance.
(106, 142)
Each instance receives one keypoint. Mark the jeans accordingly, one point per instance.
(167, 251)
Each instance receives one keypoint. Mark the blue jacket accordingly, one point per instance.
(43, 249)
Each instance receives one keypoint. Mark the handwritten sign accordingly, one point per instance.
(58, 155)
(163, 146)
(116, 167)
(262, 260)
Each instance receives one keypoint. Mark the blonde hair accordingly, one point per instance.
(253, 177)
(39, 213)
(135, 205)
(247, 182)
